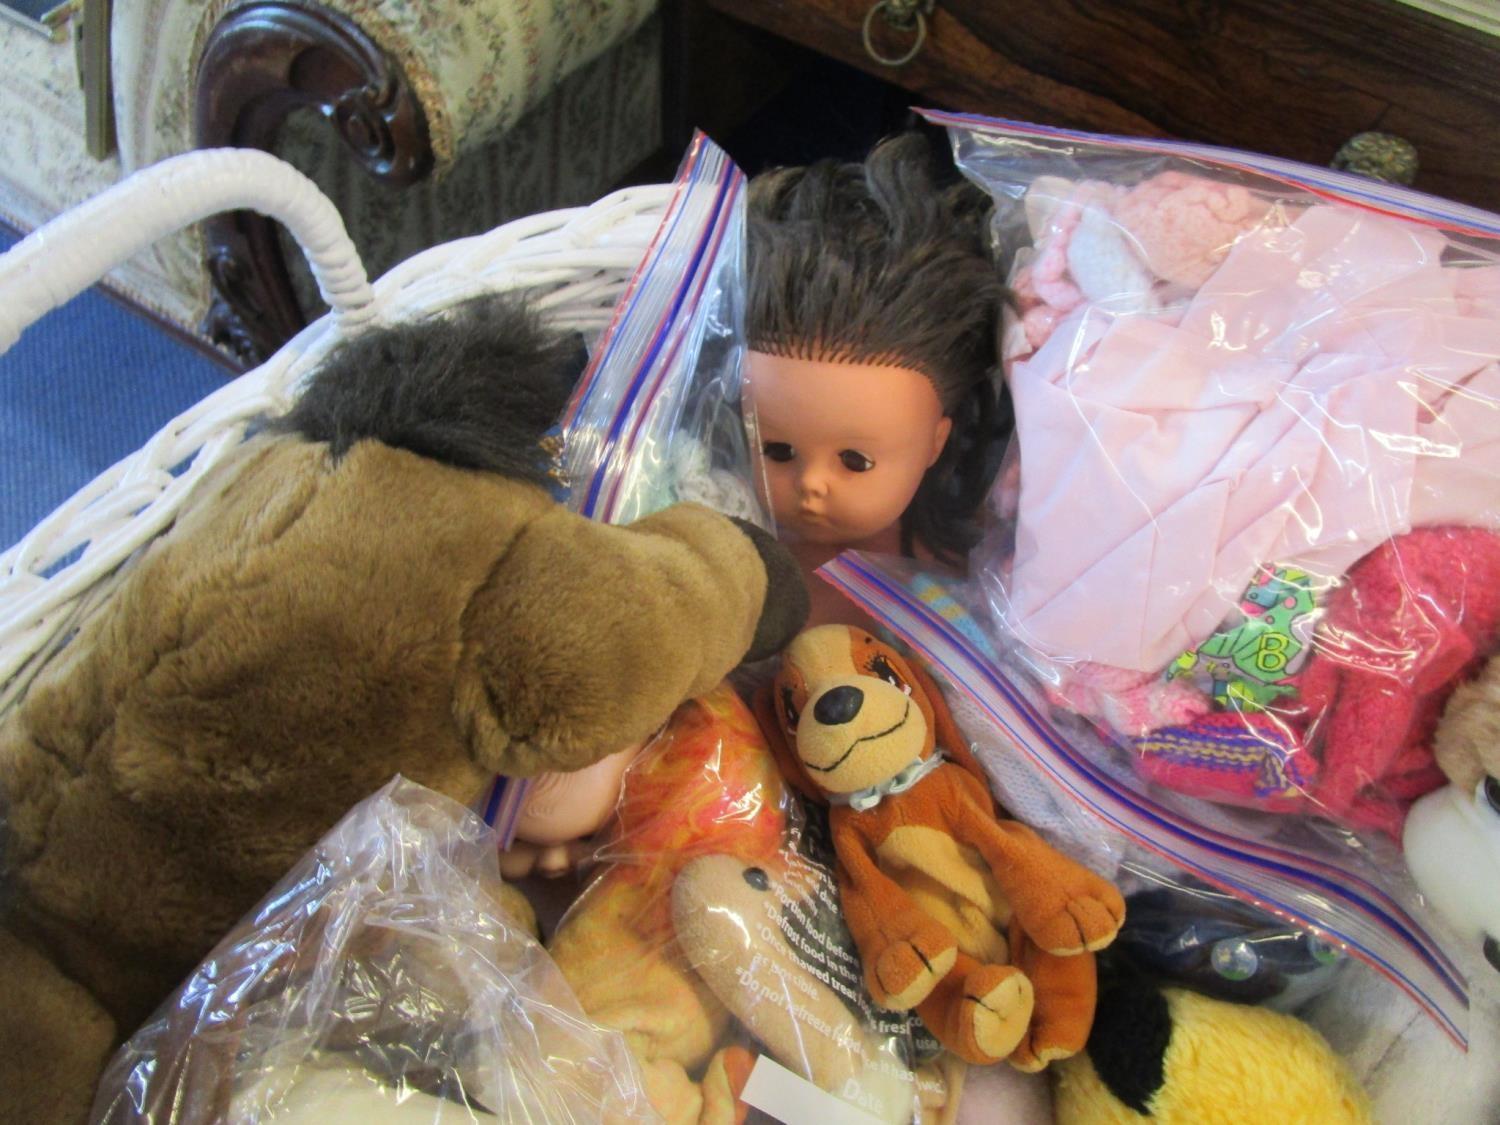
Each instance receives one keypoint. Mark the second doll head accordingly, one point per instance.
(872, 314)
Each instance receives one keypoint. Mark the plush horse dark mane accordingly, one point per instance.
(476, 387)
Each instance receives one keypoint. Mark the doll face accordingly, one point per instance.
(843, 445)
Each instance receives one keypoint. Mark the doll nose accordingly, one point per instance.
(812, 484)
(838, 706)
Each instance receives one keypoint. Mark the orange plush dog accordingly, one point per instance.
(972, 920)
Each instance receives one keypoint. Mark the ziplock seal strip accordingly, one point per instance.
(1326, 183)
(707, 168)
(1144, 821)
(583, 392)
(702, 270)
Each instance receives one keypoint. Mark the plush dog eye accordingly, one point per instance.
(882, 668)
(1492, 793)
(789, 709)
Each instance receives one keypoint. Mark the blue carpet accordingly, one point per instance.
(86, 385)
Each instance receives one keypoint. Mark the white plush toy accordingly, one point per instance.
(1452, 844)
(1413, 1072)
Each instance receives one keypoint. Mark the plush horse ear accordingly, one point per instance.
(786, 757)
(949, 738)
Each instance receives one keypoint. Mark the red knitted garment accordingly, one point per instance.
(1411, 620)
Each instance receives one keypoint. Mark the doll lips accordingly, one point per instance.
(867, 738)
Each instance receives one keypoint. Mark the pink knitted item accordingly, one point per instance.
(1252, 760)
(1184, 226)
(1041, 288)
(1125, 702)
(1078, 255)
(1102, 239)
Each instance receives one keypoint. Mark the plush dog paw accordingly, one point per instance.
(1085, 921)
(997, 1007)
(1035, 1051)
(906, 971)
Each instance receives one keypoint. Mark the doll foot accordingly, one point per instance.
(908, 970)
(997, 1008)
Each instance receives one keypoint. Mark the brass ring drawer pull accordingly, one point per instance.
(903, 15)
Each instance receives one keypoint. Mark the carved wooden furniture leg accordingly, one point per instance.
(260, 63)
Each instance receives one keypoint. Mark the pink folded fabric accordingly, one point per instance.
(1331, 385)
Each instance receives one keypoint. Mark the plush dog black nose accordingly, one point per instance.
(838, 706)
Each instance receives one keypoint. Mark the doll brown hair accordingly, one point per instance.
(881, 263)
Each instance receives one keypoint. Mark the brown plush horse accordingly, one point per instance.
(380, 583)
(969, 918)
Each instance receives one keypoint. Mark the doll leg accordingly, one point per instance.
(979, 1012)
(1066, 989)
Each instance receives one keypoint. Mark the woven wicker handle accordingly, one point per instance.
(61, 259)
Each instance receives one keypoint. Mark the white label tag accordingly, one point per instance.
(793, 1100)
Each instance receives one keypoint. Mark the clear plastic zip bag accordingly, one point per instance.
(1248, 522)
(709, 934)
(383, 980)
(1079, 790)
(657, 416)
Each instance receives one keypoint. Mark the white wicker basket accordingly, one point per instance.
(575, 264)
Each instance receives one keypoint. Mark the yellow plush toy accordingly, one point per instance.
(1173, 1057)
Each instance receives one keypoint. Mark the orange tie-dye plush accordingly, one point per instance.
(707, 785)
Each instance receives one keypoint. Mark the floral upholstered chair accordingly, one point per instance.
(423, 122)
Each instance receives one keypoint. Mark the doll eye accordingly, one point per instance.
(882, 668)
(1492, 794)
(855, 461)
(789, 708)
(778, 451)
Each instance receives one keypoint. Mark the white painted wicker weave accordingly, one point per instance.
(574, 263)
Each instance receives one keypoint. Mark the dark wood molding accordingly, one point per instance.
(1295, 78)
(259, 64)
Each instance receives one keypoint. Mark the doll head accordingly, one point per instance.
(845, 445)
(871, 317)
